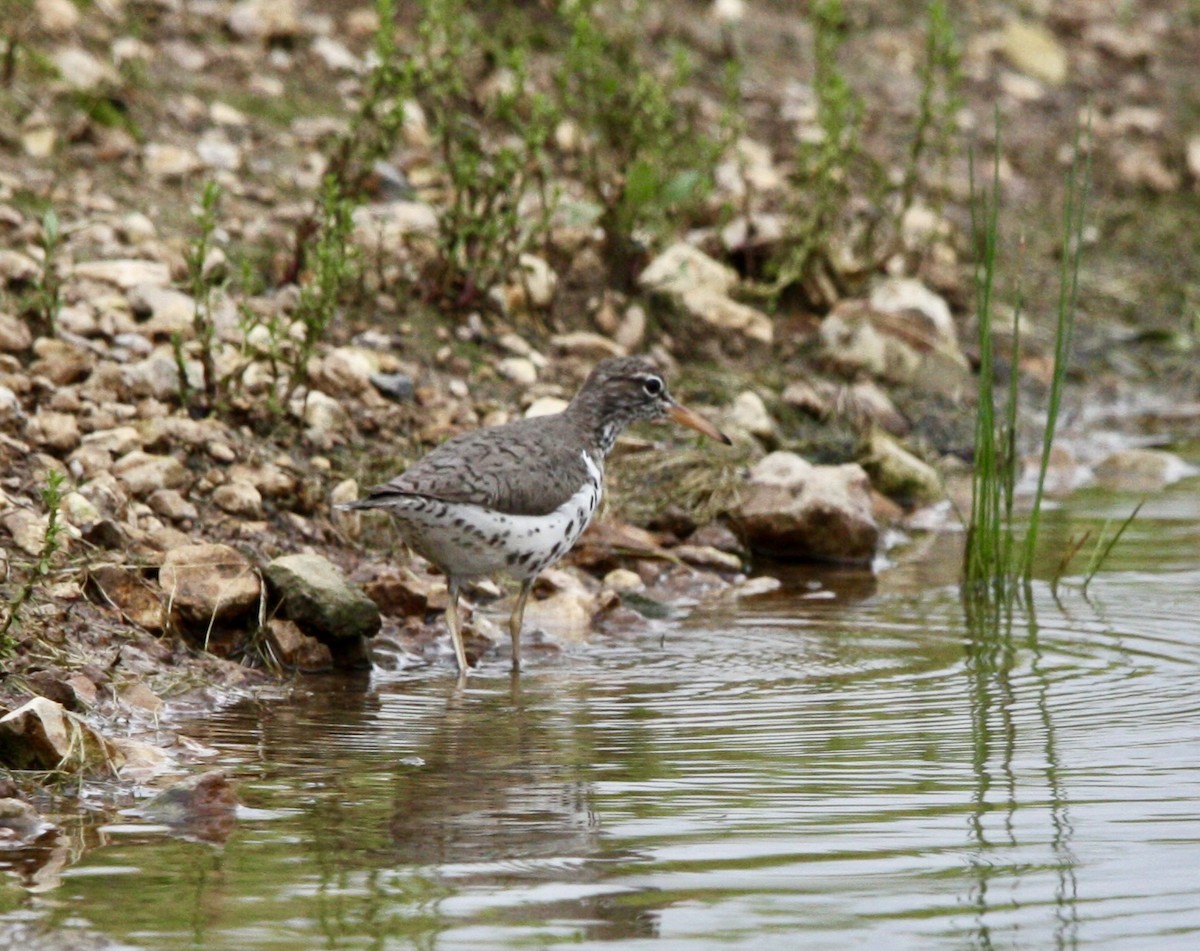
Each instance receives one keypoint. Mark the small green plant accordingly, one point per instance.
(285, 345)
(824, 250)
(941, 75)
(332, 269)
(824, 169)
(201, 285)
(376, 125)
(1105, 543)
(18, 19)
(491, 150)
(46, 298)
(996, 564)
(645, 157)
(40, 570)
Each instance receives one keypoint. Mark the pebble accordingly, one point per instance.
(58, 432)
(169, 162)
(589, 346)
(17, 268)
(630, 334)
(622, 579)
(264, 19)
(545, 406)
(143, 473)
(397, 387)
(539, 280)
(519, 370)
(57, 16)
(240, 499)
(82, 70)
(170, 504)
(1035, 50)
(749, 414)
(326, 419)
(39, 138)
(10, 407)
(125, 273)
(15, 336)
(335, 56)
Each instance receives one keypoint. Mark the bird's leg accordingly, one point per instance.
(514, 622)
(452, 622)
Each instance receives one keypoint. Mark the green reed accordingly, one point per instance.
(996, 563)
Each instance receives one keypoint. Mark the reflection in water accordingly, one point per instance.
(997, 729)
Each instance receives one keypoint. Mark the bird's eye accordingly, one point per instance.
(653, 386)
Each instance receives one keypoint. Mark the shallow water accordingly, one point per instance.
(850, 761)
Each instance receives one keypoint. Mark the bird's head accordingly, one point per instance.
(624, 390)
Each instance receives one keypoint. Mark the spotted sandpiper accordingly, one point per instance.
(514, 498)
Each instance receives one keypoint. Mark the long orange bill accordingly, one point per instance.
(685, 417)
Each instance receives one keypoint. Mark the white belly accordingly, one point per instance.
(469, 540)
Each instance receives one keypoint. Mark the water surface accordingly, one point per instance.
(852, 762)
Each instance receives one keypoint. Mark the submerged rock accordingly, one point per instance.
(793, 509)
(203, 806)
(1142, 470)
(20, 823)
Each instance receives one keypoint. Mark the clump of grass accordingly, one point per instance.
(997, 565)
(686, 479)
(43, 563)
(645, 156)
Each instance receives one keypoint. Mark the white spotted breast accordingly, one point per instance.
(468, 540)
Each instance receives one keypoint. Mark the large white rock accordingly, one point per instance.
(793, 509)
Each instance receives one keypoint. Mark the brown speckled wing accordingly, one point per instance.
(526, 467)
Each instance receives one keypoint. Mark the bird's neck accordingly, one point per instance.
(601, 427)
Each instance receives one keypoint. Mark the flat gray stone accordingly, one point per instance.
(316, 595)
